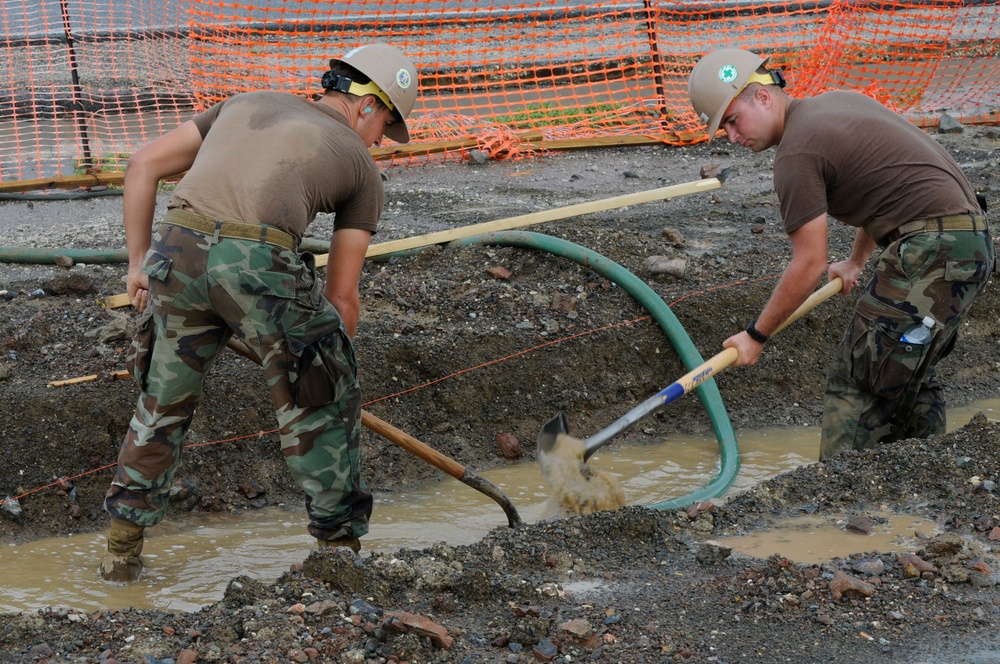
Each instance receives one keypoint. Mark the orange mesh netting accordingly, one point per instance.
(86, 82)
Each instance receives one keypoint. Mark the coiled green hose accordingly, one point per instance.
(708, 392)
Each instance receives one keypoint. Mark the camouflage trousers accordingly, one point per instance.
(879, 388)
(201, 290)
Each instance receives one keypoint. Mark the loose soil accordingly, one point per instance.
(455, 355)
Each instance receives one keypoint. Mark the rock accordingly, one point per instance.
(843, 584)
(578, 629)
(949, 125)
(699, 507)
(674, 267)
(563, 302)
(872, 567)
(185, 494)
(673, 237)
(478, 157)
(545, 650)
(117, 329)
(949, 544)
(509, 445)
(403, 621)
(323, 607)
(914, 565)
(251, 489)
(712, 171)
(11, 507)
(863, 525)
(712, 553)
(361, 607)
(994, 535)
(70, 284)
(497, 272)
(63, 261)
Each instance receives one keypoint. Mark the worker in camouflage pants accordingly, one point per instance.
(271, 297)
(878, 388)
(842, 155)
(223, 261)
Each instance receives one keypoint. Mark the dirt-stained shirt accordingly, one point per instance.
(276, 158)
(846, 154)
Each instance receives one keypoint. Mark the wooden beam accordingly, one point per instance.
(509, 223)
(114, 375)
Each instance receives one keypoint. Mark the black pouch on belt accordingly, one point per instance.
(981, 199)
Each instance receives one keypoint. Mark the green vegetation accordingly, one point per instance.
(112, 161)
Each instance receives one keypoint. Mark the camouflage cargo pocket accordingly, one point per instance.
(881, 363)
(325, 372)
(967, 271)
(137, 359)
(141, 349)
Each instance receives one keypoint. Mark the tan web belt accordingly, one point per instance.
(231, 229)
(956, 222)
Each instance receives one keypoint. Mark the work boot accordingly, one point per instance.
(121, 561)
(352, 543)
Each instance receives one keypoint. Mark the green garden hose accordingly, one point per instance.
(708, 392)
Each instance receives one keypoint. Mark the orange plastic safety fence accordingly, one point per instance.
(87, 82)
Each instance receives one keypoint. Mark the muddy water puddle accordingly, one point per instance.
(814, 539)
(189, 561)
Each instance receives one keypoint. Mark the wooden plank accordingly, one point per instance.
(114, 375)
(543, 216)
(64, 182)
(509, 223)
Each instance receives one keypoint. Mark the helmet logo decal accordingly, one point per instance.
(728, 73)
(403, 78)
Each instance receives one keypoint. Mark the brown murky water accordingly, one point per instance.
(814, 539)
(189, 562)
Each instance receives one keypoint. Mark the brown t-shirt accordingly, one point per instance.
(845, 154)
(278, 159)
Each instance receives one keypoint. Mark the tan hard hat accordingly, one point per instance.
(395, 77)
(717, 79)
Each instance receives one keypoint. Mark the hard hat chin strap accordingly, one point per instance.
(341, 83)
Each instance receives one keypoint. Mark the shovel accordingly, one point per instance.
(419, 449)
(554, 433)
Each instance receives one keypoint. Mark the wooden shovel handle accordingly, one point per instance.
(412, 445)
(720, 361)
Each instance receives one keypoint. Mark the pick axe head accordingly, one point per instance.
(578, 488)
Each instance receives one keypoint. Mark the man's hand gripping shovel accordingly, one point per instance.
(563, 459)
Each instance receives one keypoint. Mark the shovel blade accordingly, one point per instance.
(551, 431)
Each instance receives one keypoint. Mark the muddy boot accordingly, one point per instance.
(352, 543)
(121, 562)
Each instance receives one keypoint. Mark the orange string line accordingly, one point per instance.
(415, 388)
